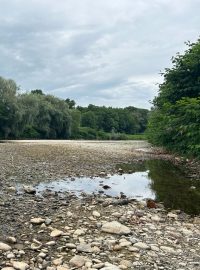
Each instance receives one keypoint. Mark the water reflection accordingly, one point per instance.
(173, 188)
(155, 179)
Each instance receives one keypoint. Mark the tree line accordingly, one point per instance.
(175, 118)
(35, 115)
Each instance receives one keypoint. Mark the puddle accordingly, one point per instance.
(132, 185)
(156, 179)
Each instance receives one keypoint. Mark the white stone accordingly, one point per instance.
(4, 247)
(42, 255)
(96, 214)
(172, 215)
(155, 218)
(110, 267)
(154, 248)
(79, 232)
(141, 245)
(10, 256)
(85, 248)
(126, 263)
(115, 227)
(168, 249)
(62, 268)
(37, 220)
(125, 244)
(35, 246)
(186, 231)
(58, 261)
(70, 245)
(56, 233)
(29, 189)
(98, 265)
(50, 243)
(20, 265)
(8, 268)
(77, 261)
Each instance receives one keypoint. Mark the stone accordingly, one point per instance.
(37, 220)
(11, 240)
(4, 247)
(50, 243)
(168, 249)
(48, 221)
(172, 215)
(88, 264)
(12, 189)
(109, 266)
(186, 231)
(197, 220)
(96, 214)
(62, 268)
(85, 248)
(58, 261)
(155, 218)
(35, 246)
(56, 233)
(141, 245)
(20, 265)
(10, 255)
(29, 189)
(98, 265)
(125, 243)
(126, 263)
(70, 245)
(115, 227)
(133, 249)
(77, 261)
(42, 255)
(154, 248)
(79, 232)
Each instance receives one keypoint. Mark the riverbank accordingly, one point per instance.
(59, 231)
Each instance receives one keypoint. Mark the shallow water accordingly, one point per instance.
(132, 185)
(156, 179)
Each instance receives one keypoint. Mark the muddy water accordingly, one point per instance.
(156, 179)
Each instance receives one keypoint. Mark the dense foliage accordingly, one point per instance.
(175, 118)
(36, 115)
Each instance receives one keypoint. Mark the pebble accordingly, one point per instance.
(85, 248)
(20, 265)
(56, 233)
(4, 247)
(141, 245)
(77, 261)
(96, 214)
(58, 261)
(37, 220)
(115, 227)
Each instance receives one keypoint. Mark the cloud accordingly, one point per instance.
(100, 52)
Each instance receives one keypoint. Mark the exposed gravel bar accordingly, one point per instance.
(62, 231)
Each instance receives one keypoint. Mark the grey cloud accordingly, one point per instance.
(101, 52)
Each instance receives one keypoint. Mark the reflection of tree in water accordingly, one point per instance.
(172, 187)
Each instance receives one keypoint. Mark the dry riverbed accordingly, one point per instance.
(59, 231)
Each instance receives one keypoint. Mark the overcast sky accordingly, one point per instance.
(104, 52)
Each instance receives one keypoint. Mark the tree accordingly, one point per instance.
(71, 103)
(88, 119)
(175, 118)
(37, 92)
(8, 107)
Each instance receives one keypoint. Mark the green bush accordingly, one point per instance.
(175, 119)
